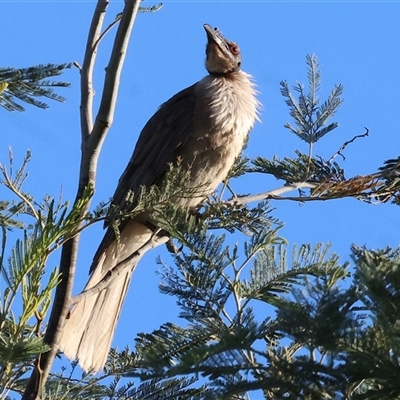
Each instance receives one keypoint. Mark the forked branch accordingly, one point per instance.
(93, 135)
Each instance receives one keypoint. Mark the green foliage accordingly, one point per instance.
(113, 386)
(26, 84)
(390, 190)
(27, 282)
(300, 169)
(223, 341)
(333, 334)
(160, 203)
(309, 117)
(324, 178)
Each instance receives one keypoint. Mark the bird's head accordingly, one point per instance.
(223, 56)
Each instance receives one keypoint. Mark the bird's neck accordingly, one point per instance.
(232, 100)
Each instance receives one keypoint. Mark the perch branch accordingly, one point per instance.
(271, 194)
(93, 136)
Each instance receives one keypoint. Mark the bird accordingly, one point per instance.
(205, 126)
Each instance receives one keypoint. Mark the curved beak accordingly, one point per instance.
(213, 35)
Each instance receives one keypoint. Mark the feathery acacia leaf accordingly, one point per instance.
(300, 169)
(309, 118)
(27, 84)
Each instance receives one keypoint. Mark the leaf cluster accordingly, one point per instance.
(27, 84)
(113, 386)
(310, 118)
(333, 334)
(300, 169)
(27, 283)
(390, 189)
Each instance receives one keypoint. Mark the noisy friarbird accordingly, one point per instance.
(204, 126)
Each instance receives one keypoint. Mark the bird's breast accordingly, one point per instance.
(225, 112)
(232, 102)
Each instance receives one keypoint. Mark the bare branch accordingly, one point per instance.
(109, 27)
(345, 144)
(105, 115)
(93, 136)
(275, 193)
(371, 188)
(86, 107)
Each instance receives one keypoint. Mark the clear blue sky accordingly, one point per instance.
(357, 44)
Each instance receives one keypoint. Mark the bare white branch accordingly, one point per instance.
(87, 92)
(93, 135)
(275, 193)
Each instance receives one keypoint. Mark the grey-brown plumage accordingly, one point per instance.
(205, 125)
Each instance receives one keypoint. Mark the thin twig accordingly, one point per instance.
(87, 92)
(345, 144)
(104, 33)
(11, 186)
(230, 189)
(360, 196)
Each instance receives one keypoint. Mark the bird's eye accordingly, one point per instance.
(234, 49)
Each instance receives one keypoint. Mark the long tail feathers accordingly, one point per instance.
(88, 332)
